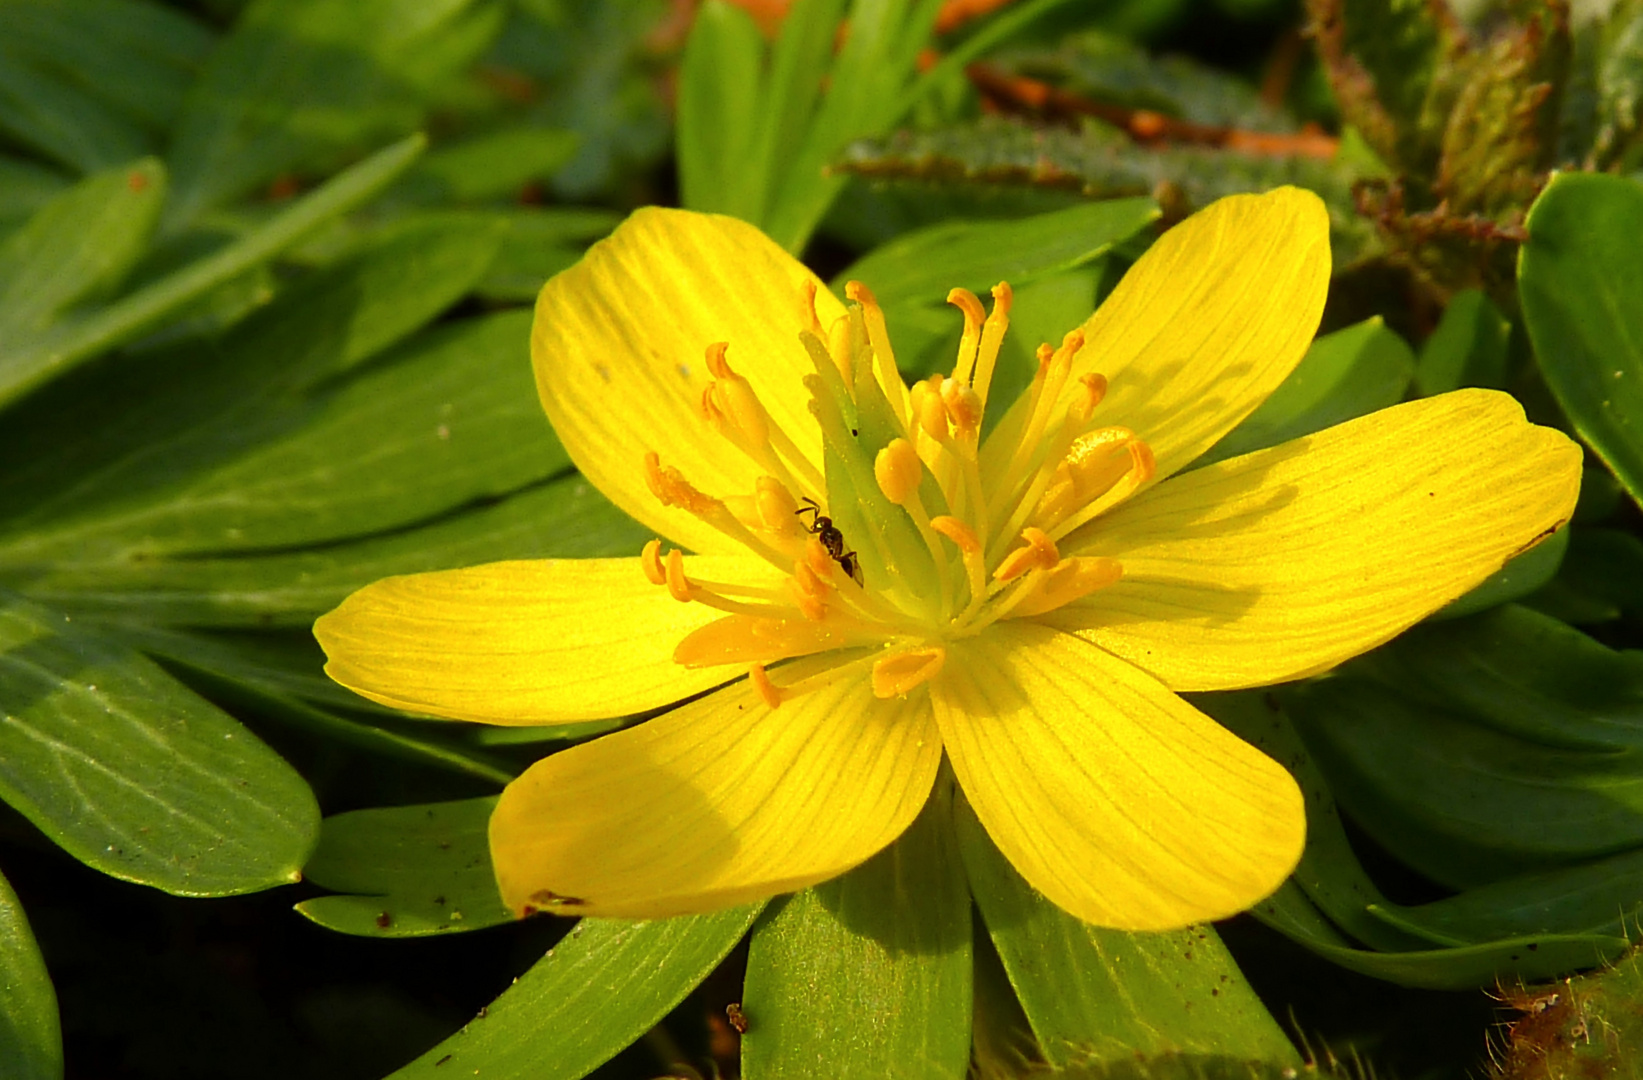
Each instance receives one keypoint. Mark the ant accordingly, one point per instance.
(831, 539)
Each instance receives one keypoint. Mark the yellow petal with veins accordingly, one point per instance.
(534, 642)
(620, 343)
(1120, 802)
(1287, 561)
(719, 802)
(1205, 325)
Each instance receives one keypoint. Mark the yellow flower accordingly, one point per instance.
(876, 587)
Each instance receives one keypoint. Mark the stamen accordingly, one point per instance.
(969, 548)
(809, 592)
(1071, 579)
(677, 584)
(964, 407)
(651, 559)
(992, 335)
(761, 682)
(807, 307)
(753, 639)
(895, 675)
(884, 358)
(672, 489)
(965, 301)
(1039, 554)
(776, 507)
(838, 346)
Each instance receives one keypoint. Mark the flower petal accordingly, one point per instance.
(524, 642)
(720, 801)
(1287, 561)
(1120, 802)
(618, 347)
(1207, 323)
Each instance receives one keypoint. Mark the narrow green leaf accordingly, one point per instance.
(599, 989)
(31, 1038)
(1105, 995)
(134, 775)
(413, 871)
(1582, 289)
(299, 79)
(867, 974)
(1492, 964)
(79, 244)
(720, 109)
(25, 187)
(1600, 897)
(1344, 375)
(1468, 348)
(151, 305)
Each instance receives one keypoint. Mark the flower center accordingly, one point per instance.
(913, 533)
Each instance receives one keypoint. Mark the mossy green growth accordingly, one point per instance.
(1589, 1025)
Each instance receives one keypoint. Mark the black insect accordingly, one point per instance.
(831, 539)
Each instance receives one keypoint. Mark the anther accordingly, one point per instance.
(651, 559)
(898, 471)
(930, 411)
(965, 301)
(958, 532)
(776, 506)
(1083, 405)
(807, 307)
(672, 489)
(677, 584)
(717, 365)
(964, 405)
(1071, 579)
(761, 682)
(896, 675)
(1039, 553)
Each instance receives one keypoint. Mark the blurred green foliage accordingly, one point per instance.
(265, 275)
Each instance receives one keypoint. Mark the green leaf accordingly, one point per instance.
(1484, 748)
(1582, 288)
(1495, 963)
(605, 984)
(1602, 896)
(566, 518)
(237, 680)
(31, 1038)
(491, 166)
(1520, 577)
(134, 775)
(136, 58)
(911, 275)
(233, 447)
(1344, 375)
(24, 188)
(297, 80)
(149, 306)
(79, 244)
(921, 266)
(867, 974)
(1105, 995)
(415, 870)
(43, 110)
(1603, 569)
(1468, 348)
(720, 107)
